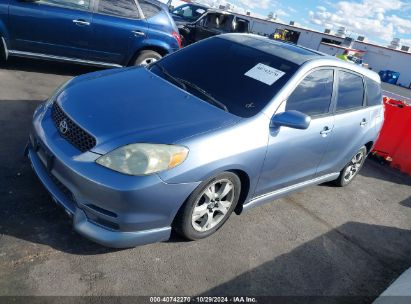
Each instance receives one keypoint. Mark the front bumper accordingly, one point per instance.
(107, 207)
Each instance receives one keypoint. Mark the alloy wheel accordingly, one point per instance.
(148, 61)
(213, 205)
(354, 167)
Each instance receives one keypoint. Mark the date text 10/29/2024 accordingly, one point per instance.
(201, 299)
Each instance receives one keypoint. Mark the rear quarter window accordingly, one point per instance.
(120, 8)
(149, 9)
(350, 91)
(374, 94)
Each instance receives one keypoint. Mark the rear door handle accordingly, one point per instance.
(325, 131)
(138, 33)
(364, 123)
(81, 22)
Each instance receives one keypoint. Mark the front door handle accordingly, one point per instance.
(325, 131)
(138, 33)
(81, 22)
(364, 123)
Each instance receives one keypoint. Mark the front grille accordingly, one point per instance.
(73, 134)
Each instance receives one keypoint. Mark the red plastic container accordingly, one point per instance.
(394, 143)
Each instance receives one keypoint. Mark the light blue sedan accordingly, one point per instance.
(224, 125)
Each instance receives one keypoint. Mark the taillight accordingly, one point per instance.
(178, 38)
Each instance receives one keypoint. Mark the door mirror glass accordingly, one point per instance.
(291, 119)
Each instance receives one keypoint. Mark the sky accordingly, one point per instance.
(378, 20)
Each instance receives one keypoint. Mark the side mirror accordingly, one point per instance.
(291, 119)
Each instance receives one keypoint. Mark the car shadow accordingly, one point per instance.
(46, 66)
(406, 202)
(27, 210)
(352, 263)
(374, 168)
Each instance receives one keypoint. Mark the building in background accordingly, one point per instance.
(376, 57)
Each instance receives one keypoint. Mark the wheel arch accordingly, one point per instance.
(3, 41)
(369, 145)
(163, 51)
(245, 189)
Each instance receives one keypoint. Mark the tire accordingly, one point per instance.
(211, 214)
(351, 169)
(146, 57)
(2, 52)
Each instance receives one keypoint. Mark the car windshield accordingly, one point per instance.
(189, 12)
(242, 78)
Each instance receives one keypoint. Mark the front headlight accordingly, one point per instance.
(57, 92)
(144, 159)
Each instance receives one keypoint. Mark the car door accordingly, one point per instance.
(240, 25)
(293, 155)
(352, 120)
(208, 26)
(51, 27)
(117, 24)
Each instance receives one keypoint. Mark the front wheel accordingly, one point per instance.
(209, 206)
(146, 57)
(351, 169)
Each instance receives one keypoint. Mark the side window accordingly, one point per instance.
(350, 91)
(374, 95)
(240, 26)
(74, 4)
(212, 21)
(121, 8)
(149, 9)
(313, 95)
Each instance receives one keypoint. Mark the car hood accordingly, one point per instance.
(135, 105)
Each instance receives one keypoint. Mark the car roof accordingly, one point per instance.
(287, 51)
(205, 6)
(296, 54)
(216, 10)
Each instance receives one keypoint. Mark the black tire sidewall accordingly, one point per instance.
(185, 227)
(144, 55)
(2, 51)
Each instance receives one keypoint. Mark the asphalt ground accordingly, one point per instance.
(323, 241)
(396, 92)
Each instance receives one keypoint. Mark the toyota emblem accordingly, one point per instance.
(63, 126)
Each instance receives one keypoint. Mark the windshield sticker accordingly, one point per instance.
(265, 74)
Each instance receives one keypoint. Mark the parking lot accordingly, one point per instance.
(351, 241)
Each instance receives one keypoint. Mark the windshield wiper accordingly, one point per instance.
(165, 72)
(204, 93)
(184, 83)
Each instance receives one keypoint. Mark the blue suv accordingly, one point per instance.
(109, 33)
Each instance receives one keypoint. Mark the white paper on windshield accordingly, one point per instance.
(265, 74)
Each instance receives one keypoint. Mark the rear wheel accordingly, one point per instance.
(209, 206)
(351, 169)
(147, 57)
